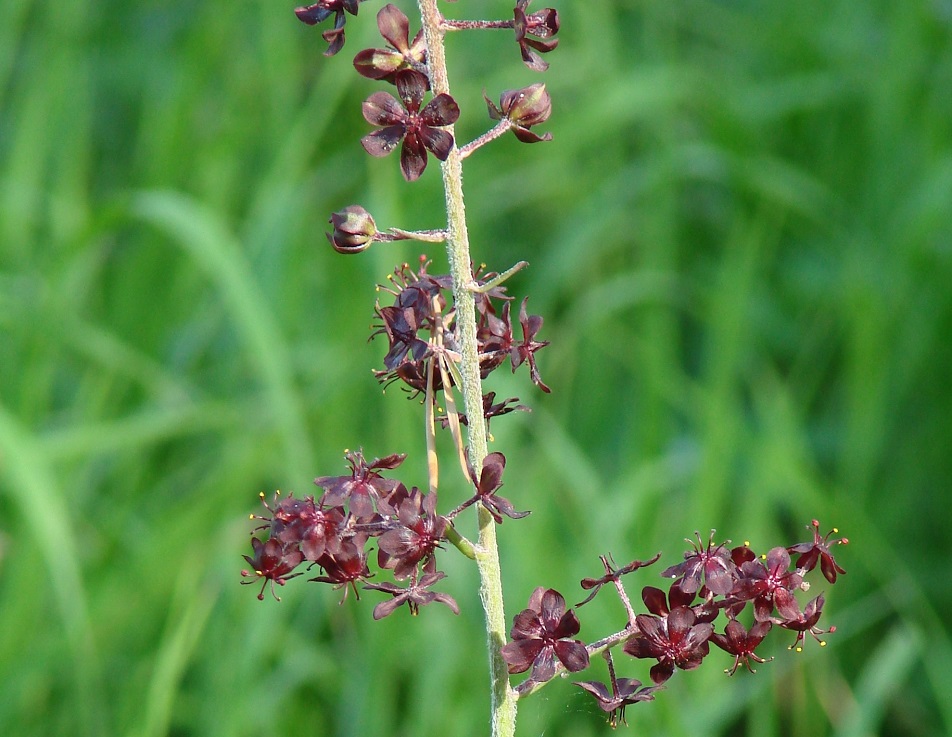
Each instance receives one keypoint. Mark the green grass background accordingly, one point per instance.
(741, 241)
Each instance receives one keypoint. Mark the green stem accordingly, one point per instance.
(460, 262)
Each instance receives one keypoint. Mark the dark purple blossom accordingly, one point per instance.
(490, 481)
(418, 129)
(272, 562)
(741, 643)
(761, 583)
(345, 568)
(624, 691)
(804, 622)
(525, 351)
(818, 551)
(320, 11)
(675, 640)
(543, 634)
(534, 34)
(303, 521)
(364, 487)
(711, 564)
(491, 408)
(415, 537)
(414, 596)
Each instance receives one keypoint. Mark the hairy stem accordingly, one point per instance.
(460, 262)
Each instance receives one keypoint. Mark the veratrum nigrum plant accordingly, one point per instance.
(444, 335)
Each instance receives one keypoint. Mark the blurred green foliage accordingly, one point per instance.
(741, 239)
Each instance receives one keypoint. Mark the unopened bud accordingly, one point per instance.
(527, 107)
(354, 230)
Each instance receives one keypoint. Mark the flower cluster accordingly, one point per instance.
(366, 522)
(420, 129)
(712, 582)
(333, 532)
(421, 332)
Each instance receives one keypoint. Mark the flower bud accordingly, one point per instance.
(354, 230)
(528, 106)
(523, 109)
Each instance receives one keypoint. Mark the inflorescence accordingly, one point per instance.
(367, 523)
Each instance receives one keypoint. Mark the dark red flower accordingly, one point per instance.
(760, 583)
(818, 551)
(740, 643)
(675, 640)
(525, 351)
(402, 54)
(712, 564)
(415, 537)
(302, 521)
(272, 562)
(804, 622)
(490, 481)
(624, 691)
(364, 487)
(346, 567)
(418, 129)
(414, 596)
(543, 24)
(542, 634)
(320, 11)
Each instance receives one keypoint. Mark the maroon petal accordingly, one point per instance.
(573, 654)
(640, 648)
(385, 608)
(411, 85)
(661, 671)
(543, 667)
(680, 620)
(527, 136)
(439, 142)
(441, 110)
(600, 691)
(786, 604)
(382, 108)
(394, 27)
(525, 625)
(412, 157)
(698, 636)
(655, 600)
(491, 477)
(553, 607)
(377, 63)
(383, 141)
(448, 600)
(521, 654)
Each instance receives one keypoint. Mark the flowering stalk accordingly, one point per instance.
(448, 332)
(503, 703)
